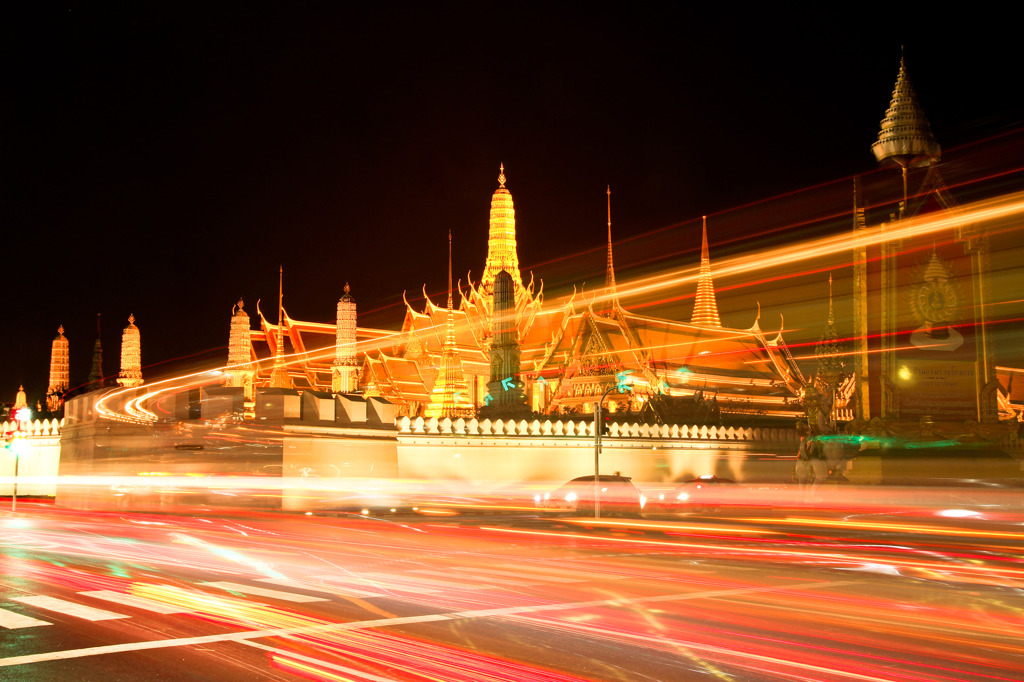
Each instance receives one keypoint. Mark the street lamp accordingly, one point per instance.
(622, 385)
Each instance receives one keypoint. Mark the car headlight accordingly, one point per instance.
(643, 501)
(571, 497)
(536, 499)
(683, 497)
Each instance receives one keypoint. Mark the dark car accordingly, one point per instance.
(617, 495)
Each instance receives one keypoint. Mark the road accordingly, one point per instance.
(263, 596)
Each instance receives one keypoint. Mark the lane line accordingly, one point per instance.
(12, 621)
(68, 608)
(132, 600)
(388, 622)
(264, 592)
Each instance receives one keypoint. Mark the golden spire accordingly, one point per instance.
(60, 375)
(705, 307)
(449, 397)
(279, 377)
(131, 356)
(609, 275)
(501, 240)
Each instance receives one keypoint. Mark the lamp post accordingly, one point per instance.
(622, 386)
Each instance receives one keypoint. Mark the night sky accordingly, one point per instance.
(165, 159)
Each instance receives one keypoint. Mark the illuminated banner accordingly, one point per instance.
(936, 358)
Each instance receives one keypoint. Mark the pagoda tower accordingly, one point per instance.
(611, 292)
(240, 369)
(345, 370)
(450, 395)
(501, 240)
(20, 400)
(96, 372)
(131, 356)
(279, 377)
(705, 307)
(60, 375)
(505, 389)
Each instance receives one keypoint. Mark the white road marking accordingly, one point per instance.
(68, 608)
(264, 592)
(132, 600)
(246, 635)
(343, 590)
(13, 621)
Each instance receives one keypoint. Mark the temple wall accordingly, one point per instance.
(520, 452)
(37, 465)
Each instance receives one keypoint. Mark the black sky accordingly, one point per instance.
(164, 159)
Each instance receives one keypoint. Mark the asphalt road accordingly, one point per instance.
(246, 596)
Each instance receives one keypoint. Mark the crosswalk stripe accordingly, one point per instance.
(320, 587)
(13, 621)
(489, 580)
(263, 592)
(132, 600)
(67, 608)
(519, 574)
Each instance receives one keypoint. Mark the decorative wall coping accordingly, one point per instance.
(46, 427)
(585, 429)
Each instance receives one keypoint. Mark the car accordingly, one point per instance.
(700, 494)
(617, 496)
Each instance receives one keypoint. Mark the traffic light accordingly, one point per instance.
(606, 424)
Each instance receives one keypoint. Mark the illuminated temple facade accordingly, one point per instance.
(570, 352)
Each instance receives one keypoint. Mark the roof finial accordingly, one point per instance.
(347, 289)
(449, 269)
(609, 276)
(131, 318)
(501, 176)
(60, 330)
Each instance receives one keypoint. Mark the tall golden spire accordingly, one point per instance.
(131, 356)
(241, 372)
(279, 377)
(501, 240)
(609, 275)
(345, 370)
(705, 308)
(449, 397)
(60, 376)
